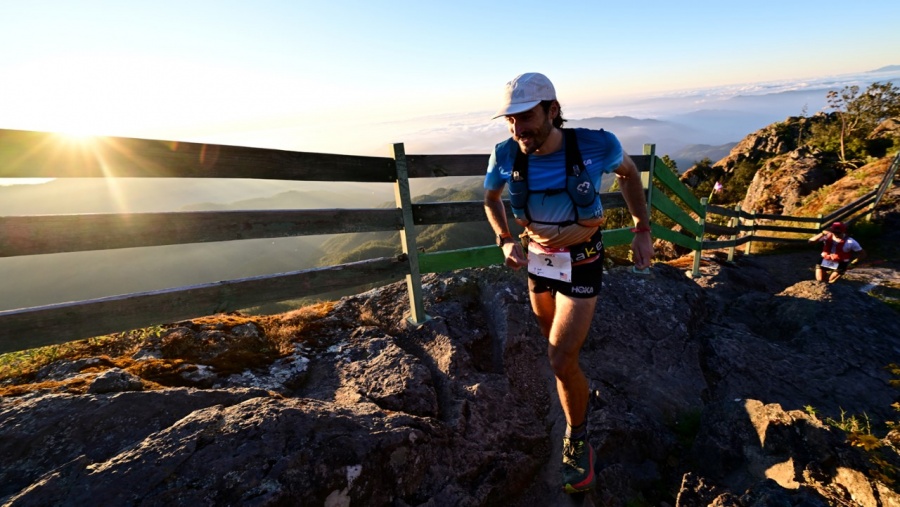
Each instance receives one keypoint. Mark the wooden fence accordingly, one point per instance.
(37, 154)
(26, 154)
(744, 228)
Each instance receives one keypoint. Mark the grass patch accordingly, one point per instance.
(211, 341)
(24, 364)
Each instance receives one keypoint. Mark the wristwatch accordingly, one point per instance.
(501, 239)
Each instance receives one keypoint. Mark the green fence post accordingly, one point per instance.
(695, 271)
(408, 238)
(735, 222)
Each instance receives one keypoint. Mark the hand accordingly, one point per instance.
(513, 255)
(642, 250)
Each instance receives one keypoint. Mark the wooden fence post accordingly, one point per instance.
(408, 238)
(650, 149)
(749, 249)
(734, 222)
(695, 271)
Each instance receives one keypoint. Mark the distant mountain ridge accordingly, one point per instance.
(297, 199)
(670, 137)
(634, 133)
(430, 238)
(689, 155)
(720, 116)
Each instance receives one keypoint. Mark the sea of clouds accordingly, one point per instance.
(707, 116)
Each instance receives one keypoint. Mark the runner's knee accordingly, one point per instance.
(563, 364)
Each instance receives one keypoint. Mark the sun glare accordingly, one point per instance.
(76, 137)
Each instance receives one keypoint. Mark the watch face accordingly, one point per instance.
(500, 240)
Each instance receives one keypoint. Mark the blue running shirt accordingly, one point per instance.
(601, 151)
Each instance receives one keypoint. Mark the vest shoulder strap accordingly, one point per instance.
(574, 163)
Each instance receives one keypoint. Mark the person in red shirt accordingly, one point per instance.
(839, 250)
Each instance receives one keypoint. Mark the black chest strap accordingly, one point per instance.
(574, 163)
(578, 183)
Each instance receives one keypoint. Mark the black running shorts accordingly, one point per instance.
(586, 281)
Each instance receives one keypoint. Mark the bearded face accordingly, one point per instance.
(530, 129)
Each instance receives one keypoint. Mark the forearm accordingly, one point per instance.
(495, 211)
(633, 192)
(636, 201)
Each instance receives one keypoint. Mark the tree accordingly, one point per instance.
(878, 103)
(801, 125)
(670, 163)
(840, 103)
(705, 175)
(825, 134)
(860, 113)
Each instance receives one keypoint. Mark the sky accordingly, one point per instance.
(353, 77)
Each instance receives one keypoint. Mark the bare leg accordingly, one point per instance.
(544, 307)
(565, 322)
(819, 275)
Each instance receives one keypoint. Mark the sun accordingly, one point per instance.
(76, 137)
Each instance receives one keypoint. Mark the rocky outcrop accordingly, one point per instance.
(772, 141)
(781, 185)
(776, 457)
(888, 129)
(697, 395)
(766, 143)
(785, 171)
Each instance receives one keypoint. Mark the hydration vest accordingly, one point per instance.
(830, 246)
(578, 185)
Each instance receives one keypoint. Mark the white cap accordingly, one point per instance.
(524, 92)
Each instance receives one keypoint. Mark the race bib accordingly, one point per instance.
(829, 264)
(555, 264)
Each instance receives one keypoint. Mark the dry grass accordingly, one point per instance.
(299, 325)
(845, 190)
(23, 365)
(206, 340)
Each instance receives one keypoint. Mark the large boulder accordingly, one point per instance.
(780, 186)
